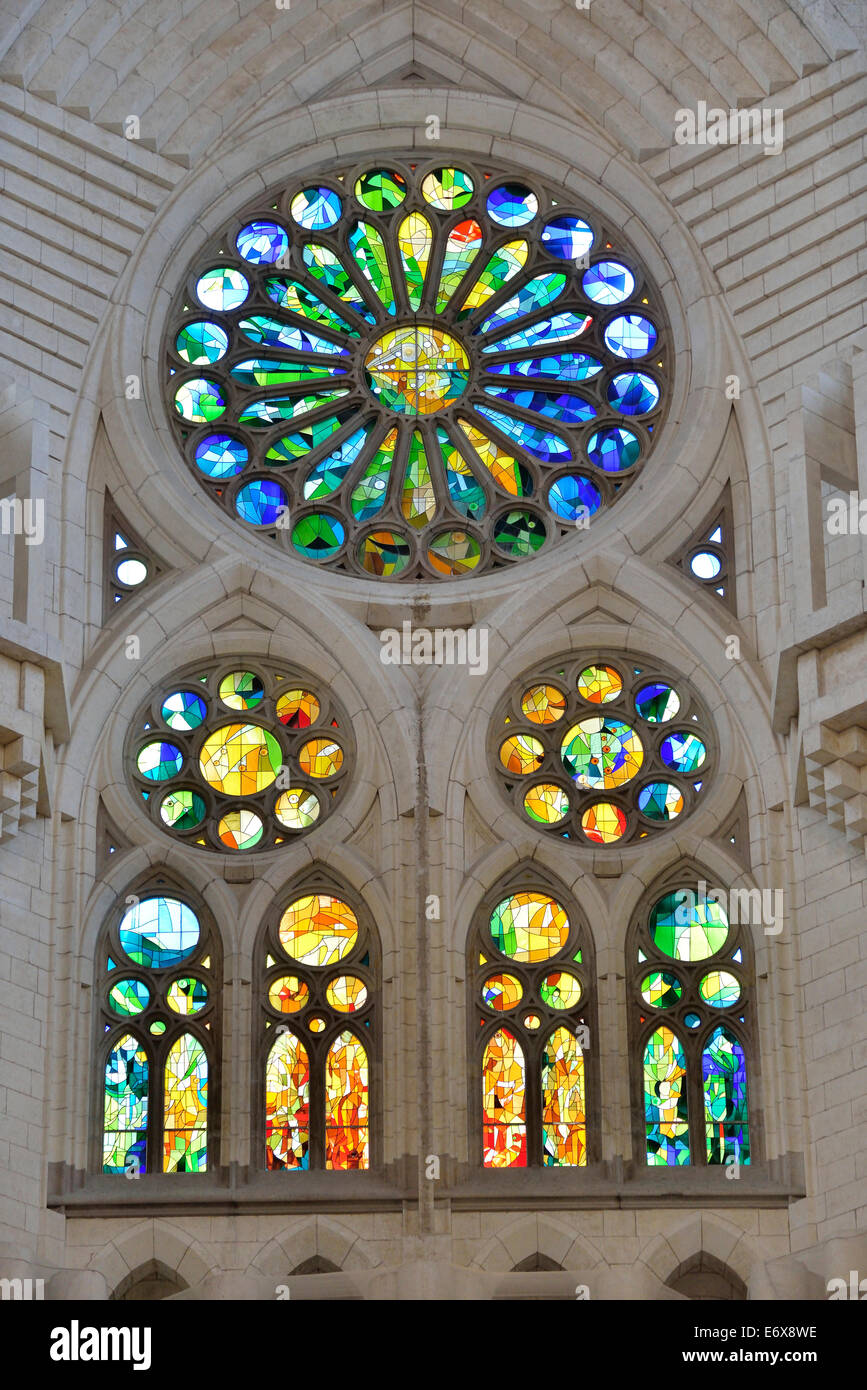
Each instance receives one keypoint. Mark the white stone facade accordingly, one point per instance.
(761, 261)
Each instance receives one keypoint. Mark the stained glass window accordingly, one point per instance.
(531, 977)
(408, 372)
(158, 1019)
(691, 1025)
(319, 993)
(239, 757)
(601, 749)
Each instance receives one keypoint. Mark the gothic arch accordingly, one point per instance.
(315, 1237)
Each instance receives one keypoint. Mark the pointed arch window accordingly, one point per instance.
(158, 1018)
(532, 1017)
(319, 980)
(690, 967)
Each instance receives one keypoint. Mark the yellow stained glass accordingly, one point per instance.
(298, 709)
(503, 1103)
(417, 369)
(415, 240)
(185, 1107)
(532, 1021)
(318, 929)
(240, 829)
(599, 684)
(560, 990)
(288, 994)
(502, 267)
(529, 926)
(603, 823)
(564, 1116)
(521, 754)
(321, 757)
(502, 467)
(502, 992)
(297, 809)
(601, 753)
(346, 1086)
(240, 759)
(347, 994)
(287, 1104)
(546, 803)
(543, 704)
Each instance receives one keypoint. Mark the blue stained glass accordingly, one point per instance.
(272, 333)
(317, 209)
(570, 409)
(542, 443)
(222, 288)
(633, 393)
(183, 709)
(512, 205)
(724, 1080)
(567, 237)
(608, 282)
(574, 496)
(631, 335)
(201, 343)
(615, 449)
(262, 243)
(261, 502)
(159, 932)
(220, 456)
(557, 329)
(292, 295)
(566, 366)
(277, 408)
(466, 494)
(327, 476)
(692, 1020)
(683, 752)
(538, 293)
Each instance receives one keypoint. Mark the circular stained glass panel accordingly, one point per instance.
(318, 929)
(438, 375)
(687, 927)
(159, 932)
(529, 926)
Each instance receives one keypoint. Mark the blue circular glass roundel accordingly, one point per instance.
(567, 237)
(614, 449)
(574, 497)
(512, 205)
(260, 503)
(683, 752)
(159, 932)
(316, 209)
(183, 709)
(608, 282)
(633, 393)
(630, 335)
(220, 456)
(222, 288)
(705, 564)
(262, 243)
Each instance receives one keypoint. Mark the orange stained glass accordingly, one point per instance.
(599, 684)
(502, 992)
(185, 1107)
(564, 1111)
(318, 929)
(543, 704)
(532, 1021)
(504, 1103)
(501, 466)
(529, 926)
(521, 754)
(347, 994)
(288, 994)
(298, 709)
(346, 1104)
(321, 757)
(603, 823)
(287, 1104)
(240, 759)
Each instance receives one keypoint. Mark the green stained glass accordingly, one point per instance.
(261, 414)
(463, 245)
(520, 533)
(447, 189)
(369, 494)
(268, 371)
(466, 494)
(298, 299)
(661, 990)
(319, 536)
(201, 343)
(665, 1101)
(384, 553)
(182, 810)
(295, 446)
(323, 264)
(686, 926)
(380, 190)
(538, 293)
(502, 267)
(418, 501)
(187, 996)
(368, 248)
(129, 997)
(327, 476)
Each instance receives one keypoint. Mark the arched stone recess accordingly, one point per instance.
(588, 163)
(524, 1236)
(151, 1280)
(701, 1232)
(154, 1239)
(639, 611)
(307, 1238)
